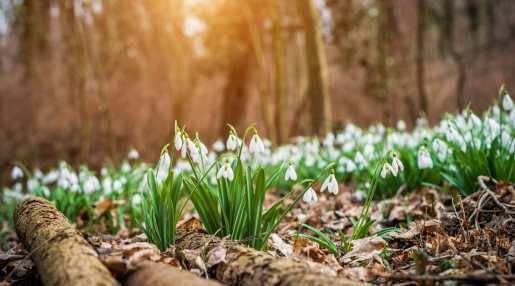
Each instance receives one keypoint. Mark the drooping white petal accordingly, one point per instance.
(16, 173)
(178, 141)
(310, 196)
(333, 185)
(232, 143)
(325, 184)
(424, 159)
(507, 103)
(290, 174)
(385, 169)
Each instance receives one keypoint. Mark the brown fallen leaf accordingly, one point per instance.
(280, 245)
(364, 249)
(416, 228)
(216, 256)
(192, 224)
(105, 205)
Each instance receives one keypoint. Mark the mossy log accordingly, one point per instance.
(160, 274)
(244, 266)
(61, 254)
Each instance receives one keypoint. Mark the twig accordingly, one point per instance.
(483, 277)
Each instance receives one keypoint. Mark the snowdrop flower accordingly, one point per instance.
(350, 166)
(232, 143)
(219, 146)
(310, 196)
(16, 173)
(133, 154)
(107, 185)
(32, 184)
(225, 172)
(117, 185)
(507, 103)
(136, 199)
(126, 167)
(385, 170)
(401, 125)
(18, 187)
(92, 184)
(396, 165)
(38, 174)
(424, 159)
(178, 140)
(256, 145)
(330, 184)
(290, 174)
(163, 168)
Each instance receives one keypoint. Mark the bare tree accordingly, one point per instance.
(318, 89)
(421, 30)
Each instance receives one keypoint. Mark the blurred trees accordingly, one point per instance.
(105, 69)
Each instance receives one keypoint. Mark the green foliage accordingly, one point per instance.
(234, 206)
(162, 204)
(320, 238)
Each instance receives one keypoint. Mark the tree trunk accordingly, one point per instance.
(244, 266)
(263, 78)
(456, 56)
(421, 29)
(235, 95)
(62, 256)
(280, 77)
(160, 274)
(318, 89)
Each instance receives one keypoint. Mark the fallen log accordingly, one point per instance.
(62, 256)
(234, 264)
(159, 274)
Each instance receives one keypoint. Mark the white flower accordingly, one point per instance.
(290, 174)
(507, 103)
(133, 154)
(310, 196)
(396, 165)
(92, 184)
(256, 145)
(163, 167)
(136, 199)
(16, 173)
(178, 141)
(385, 169)
(219, 146)
(126, 167)
(32, 184)
(424, 159)
(225, 172)
(107, 185)
(330, 184)
(401, 125)
(232, 142)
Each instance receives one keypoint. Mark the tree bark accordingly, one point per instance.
(280, 77)
(421, 29)
(235, 95)
(318, 89)
(244, 266)
(160, 274)
(62, 256)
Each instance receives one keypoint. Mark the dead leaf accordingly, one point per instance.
(280, 245)
(216, 256)
(105, 205)
(417, 228)
(192, 224)
(301, 243)
(364, 249)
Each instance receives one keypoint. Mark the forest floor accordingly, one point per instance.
(436, 238)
